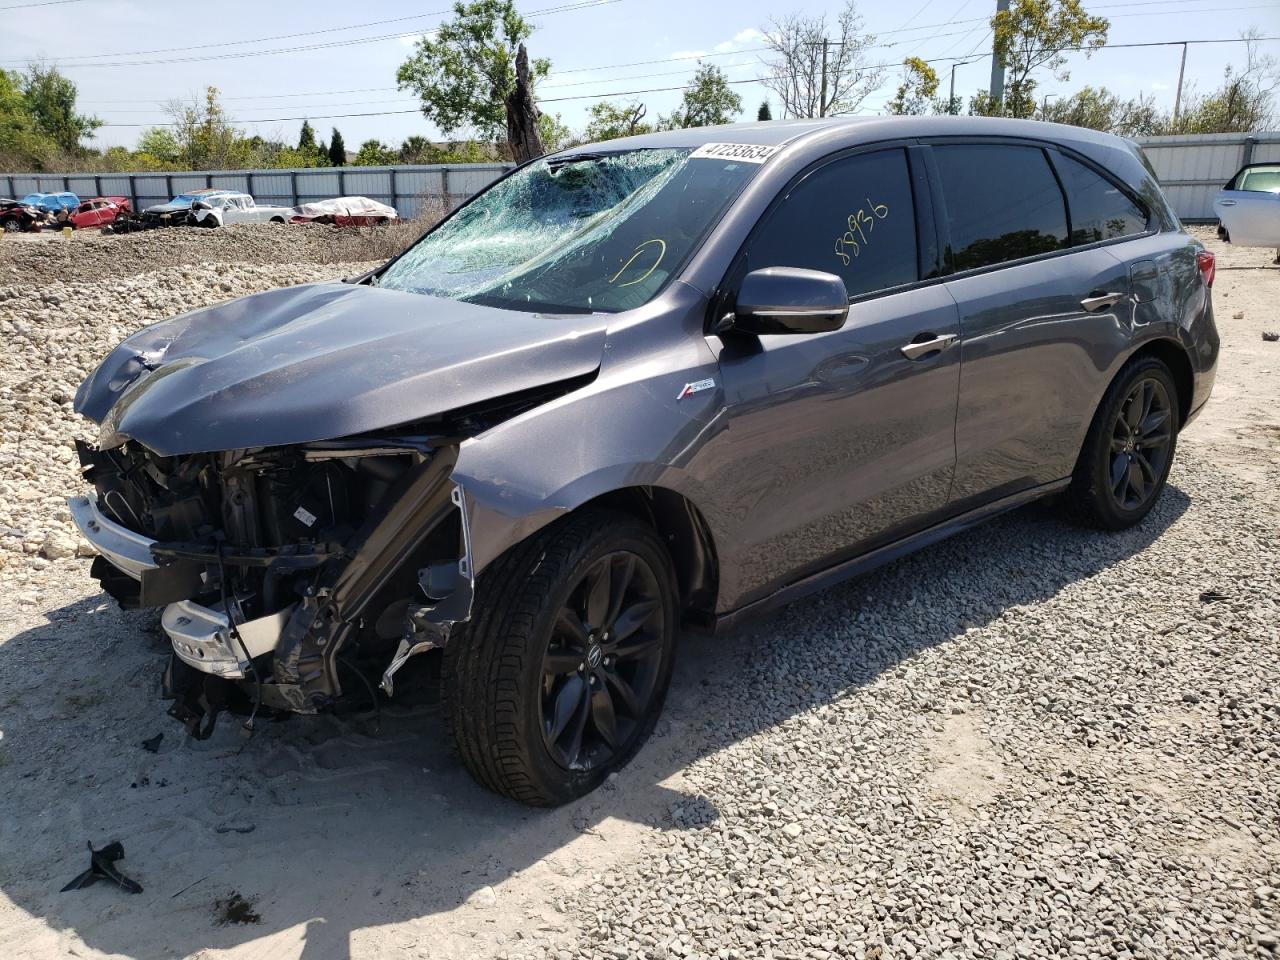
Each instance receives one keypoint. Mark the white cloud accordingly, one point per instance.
(1157, 85)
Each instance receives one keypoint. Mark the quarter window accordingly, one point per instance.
(1003, 203)
(854, 217)
(1099, 209)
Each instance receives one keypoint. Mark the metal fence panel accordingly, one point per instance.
(409, 189)
(1193, 169)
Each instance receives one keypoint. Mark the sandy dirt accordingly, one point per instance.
(329, 837)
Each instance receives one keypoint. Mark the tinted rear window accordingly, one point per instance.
(1099, 209)
(854, 217)
(1003, 203)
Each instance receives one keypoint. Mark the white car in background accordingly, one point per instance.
(1248, 207)
(224, 208)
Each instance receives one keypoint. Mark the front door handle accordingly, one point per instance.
(1100, 301)
(918, 348)
(1226, 203)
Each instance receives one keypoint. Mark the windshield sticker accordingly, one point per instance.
(860, 226)
(746, 152)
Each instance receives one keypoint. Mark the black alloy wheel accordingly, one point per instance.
(560, 674)
(1129, 449)
(1141, 438)
(602, 662)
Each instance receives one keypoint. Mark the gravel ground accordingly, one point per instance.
(45, 261)
(1029, 741)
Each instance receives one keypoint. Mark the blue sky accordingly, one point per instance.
(589, 49)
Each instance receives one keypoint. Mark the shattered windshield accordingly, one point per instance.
(583, 233)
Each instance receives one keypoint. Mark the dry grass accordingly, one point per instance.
(360, 244)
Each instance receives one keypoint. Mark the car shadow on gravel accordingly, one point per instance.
(327, 830)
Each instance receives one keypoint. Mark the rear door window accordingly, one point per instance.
(1099, 209)
(1003, 203)
(854, 217)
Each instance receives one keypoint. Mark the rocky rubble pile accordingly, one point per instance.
(55, 333)
(46, 263)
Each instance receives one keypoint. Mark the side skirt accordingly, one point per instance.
(867, 562)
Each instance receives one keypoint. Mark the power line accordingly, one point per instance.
(564, 8)
(628, 93)
(43, 3)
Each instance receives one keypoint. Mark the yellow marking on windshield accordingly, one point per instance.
(640, 249)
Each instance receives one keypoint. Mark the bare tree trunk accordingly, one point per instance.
(522, 114)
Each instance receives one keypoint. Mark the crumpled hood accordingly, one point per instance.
(168, 208)
(320, 361)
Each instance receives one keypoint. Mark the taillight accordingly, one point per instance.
(1207, 265)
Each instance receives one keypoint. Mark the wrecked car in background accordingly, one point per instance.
(1248, 207)
(229, 208)
(52, 202)
(15, 216)
(346, 212)
(98, 212)
(177, 212)
(633, 386)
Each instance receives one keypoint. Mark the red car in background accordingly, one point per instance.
(97, 212)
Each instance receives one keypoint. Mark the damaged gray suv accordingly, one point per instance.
(657, 383)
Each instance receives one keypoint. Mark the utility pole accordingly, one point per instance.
(1177, 97)
(997, 65)
(822, 96)
(952, 106)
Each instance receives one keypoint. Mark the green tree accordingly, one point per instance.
(917, 93)
(374, 153)
(553, 131)
(463, 72)
(418, 149)
(1097, 108)
(1031, 36)
(612, 120)
(707, 101)
(160, 144)
(207, 139)
(764, 113)
(22, 146)
(306, 137)
(51, 100)
(337, 150)
(1245, 101)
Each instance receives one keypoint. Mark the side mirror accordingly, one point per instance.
(788, 300)
(200, 205)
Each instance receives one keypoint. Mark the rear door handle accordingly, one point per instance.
(1100, 301)
(1226, 203)
(918, 348)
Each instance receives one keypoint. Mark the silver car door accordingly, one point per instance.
(1250, 217)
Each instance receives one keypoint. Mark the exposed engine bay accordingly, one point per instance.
(271, 564)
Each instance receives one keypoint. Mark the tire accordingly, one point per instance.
(1129, 449)
(12, 226)
(509, 678)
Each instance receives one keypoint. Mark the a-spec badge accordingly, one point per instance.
(696, 387)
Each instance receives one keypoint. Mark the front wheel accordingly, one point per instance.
(562, 671)
(1129, 448)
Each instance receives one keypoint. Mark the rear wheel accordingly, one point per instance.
(1129, 448)
(12, 226)
(561, 673)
